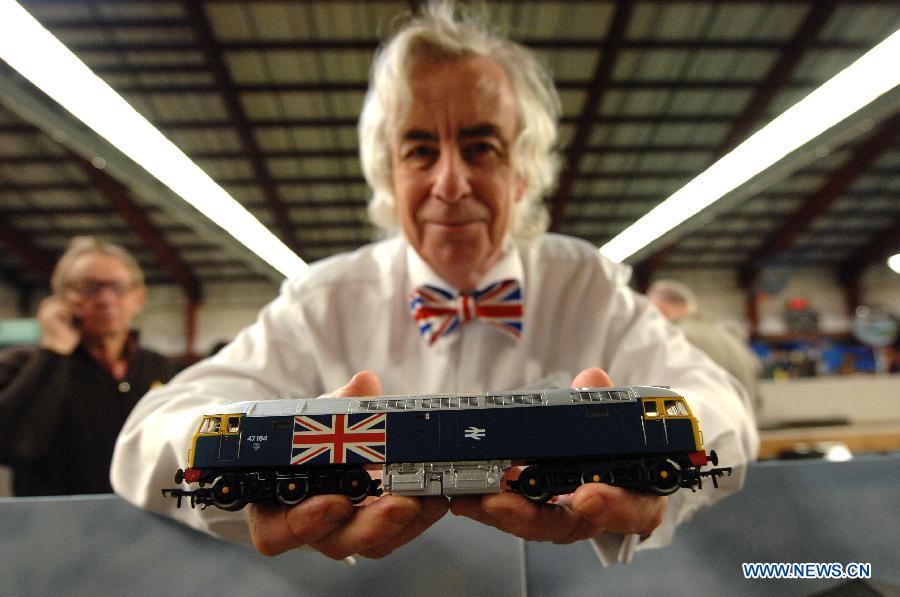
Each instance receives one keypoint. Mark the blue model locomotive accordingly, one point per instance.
(638, 437)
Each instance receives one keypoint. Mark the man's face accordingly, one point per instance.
(103, 295)
(453, 174)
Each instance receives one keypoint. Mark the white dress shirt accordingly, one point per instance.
(350, 313)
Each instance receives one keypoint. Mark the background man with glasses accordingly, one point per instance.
(62, 403)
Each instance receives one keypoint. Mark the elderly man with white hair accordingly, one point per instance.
(457, 139)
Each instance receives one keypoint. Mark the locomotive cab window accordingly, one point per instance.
(675, 408)
(211, 425)
(650, 408)
(234, 425)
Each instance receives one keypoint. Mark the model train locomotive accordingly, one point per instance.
(638, 437)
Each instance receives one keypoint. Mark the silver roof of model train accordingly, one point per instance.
(431, 402)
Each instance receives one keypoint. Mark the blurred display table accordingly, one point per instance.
(853, 398)
(859, 411)
(800, 511)
(860, 439)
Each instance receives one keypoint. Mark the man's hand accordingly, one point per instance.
(58, 332)
(593, 508)
(332, 525)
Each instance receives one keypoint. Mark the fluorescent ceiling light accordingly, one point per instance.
(874, 74)
(50, 66)
(894, 262)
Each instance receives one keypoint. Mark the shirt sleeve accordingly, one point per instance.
(641, 347)
(263, 362)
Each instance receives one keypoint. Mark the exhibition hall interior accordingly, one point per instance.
(740, 158)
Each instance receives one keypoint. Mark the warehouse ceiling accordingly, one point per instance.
(264, 96)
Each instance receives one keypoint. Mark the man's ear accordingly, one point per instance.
(520, 188)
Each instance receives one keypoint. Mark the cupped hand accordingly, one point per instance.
(332, 525)
(592, 509)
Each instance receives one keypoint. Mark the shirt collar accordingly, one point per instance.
(508, 266)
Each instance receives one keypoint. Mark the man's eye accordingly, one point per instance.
(480, 149)
(420, 152)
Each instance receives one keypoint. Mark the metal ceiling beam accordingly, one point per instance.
(24, 289)
(345, 122)
(369, 45)
(844, 134)
(163, 18)
(20, 245)
(200, 22)
(883, 245)
(818, 203)
(123, 230)
(344, 179)
(119, 196)
(91, 210)
(37, 109)
(755, 109)
(352, 152)
(778, 77)
(589, 110)
(362, 86)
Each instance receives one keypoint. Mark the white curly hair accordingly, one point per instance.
(443, 33)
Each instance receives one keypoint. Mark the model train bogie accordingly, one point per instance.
(637, 437)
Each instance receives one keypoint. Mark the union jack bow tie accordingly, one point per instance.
(439, 312)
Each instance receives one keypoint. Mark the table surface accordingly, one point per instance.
(799, 511)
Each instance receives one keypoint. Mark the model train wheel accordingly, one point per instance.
(226, 493)
(532, 485)
(291, 492)
(594, 475)
(666, 478)
(355, 484)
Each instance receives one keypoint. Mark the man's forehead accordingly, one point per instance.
(483, 129)
(472, 90)
(98, 265)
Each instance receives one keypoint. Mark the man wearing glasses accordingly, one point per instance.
(62, 403)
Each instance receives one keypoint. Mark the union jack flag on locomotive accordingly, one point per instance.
(338, 439)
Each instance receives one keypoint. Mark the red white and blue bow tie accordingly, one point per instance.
(439, 312)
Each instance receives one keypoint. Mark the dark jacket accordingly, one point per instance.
(60, 416)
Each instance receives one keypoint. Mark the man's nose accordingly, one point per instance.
(451, 177)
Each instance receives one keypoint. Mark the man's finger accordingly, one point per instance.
(592, 378)
(537, 522)
(275, 528)
(364, 383)
(433, 508)
(371, 527)
(619, 510)
(514, 514)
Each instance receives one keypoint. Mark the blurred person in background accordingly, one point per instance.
(677, 304)
(63, 402)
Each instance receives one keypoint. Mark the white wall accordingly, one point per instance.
(227, 309)
(9, 303)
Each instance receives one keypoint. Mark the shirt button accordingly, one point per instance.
(124, 386)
